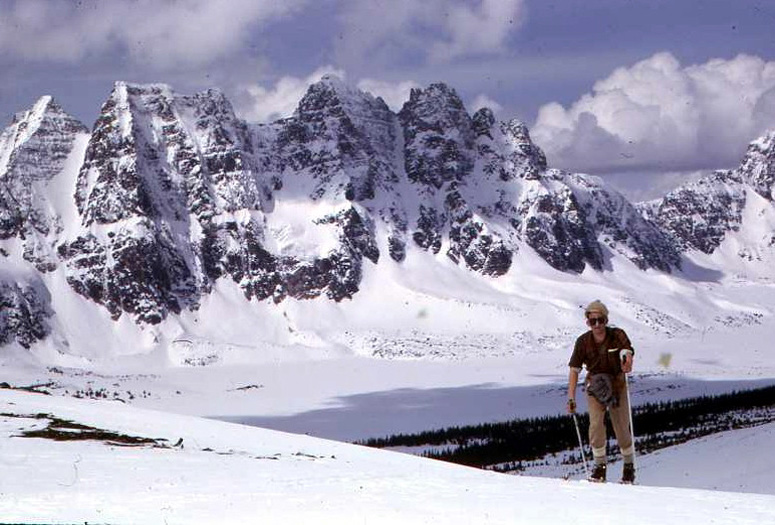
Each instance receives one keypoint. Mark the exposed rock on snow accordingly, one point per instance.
(24, 311)
(758, 166)
(701, 215)
(33, 150)
(176, 192)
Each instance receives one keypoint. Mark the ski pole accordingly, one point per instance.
(632, 427)
(581, 444)
(629, 406)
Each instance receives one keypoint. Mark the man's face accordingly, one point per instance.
(596, 321)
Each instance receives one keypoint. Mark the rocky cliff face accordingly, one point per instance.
(443, 150)
(758, 166)
(176, 192)
(142, 175)
(24, 312)
(700, 215)
(33, 150)
(336, 152)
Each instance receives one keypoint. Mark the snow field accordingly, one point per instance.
(228, 473)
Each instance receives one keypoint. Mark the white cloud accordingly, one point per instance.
(158, 33)
(262, 104)
(660, 115)
(439, 30)
(394, 94)
(475, 31)
(483, 101)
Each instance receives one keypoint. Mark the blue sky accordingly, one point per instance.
(645, 92)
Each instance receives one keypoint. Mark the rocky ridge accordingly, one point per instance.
(33, 150)
(701, 215)
(176, 192)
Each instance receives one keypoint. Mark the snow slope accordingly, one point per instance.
(225, 473)
(738, 460)
(415, 350)
(470, 349)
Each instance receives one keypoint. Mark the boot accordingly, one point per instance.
(598, 473)
(628, 473)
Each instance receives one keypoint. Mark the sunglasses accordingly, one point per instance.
(594, 321)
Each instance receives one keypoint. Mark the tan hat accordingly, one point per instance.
(596, 306)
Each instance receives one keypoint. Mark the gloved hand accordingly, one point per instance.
(571, 406)
(627, 357)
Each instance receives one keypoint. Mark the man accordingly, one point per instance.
(607, 354)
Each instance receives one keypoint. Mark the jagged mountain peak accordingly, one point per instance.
(483, 121)
(338, 85)
(33, 151)
(439, 137)
(517, 131)
(332, 94)
(174, 193)
(169, 200)
(758, 165)
(32, 148)
(436, 107)
(165, 102)
(136, 88)
(436, 91)
(43, 104)
(45, 117)
(37, 110)
(151, 147)
(162, 101)
(341, 138)
(529, 160)
(700, 215)
(767, 140)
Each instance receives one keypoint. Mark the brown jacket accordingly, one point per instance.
(596, 357)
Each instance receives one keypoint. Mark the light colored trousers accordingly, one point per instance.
(620, 420)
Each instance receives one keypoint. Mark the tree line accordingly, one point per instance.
(507, 445)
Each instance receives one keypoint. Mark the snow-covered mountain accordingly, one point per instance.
(34, 150)
(728, 212)
(170, 197)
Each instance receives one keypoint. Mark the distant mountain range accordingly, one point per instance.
(168, 194)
